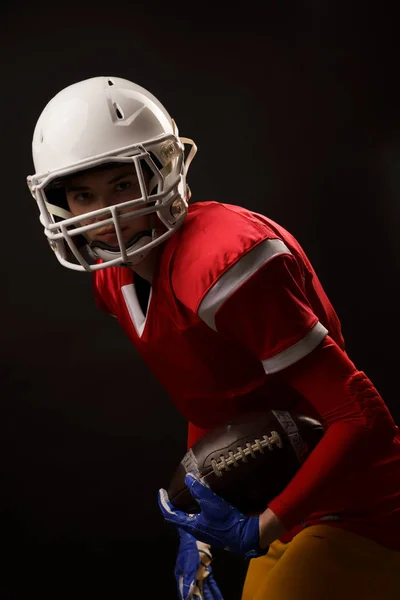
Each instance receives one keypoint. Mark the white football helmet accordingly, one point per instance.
(102, 121)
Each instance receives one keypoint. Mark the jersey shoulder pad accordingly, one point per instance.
(212, 239)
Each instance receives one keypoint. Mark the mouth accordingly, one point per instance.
(108, 230)
(110, 238)
(109, 235)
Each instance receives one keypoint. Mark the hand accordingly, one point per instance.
(218, 523)
(193, 573)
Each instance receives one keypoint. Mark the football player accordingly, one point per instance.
(228, 312)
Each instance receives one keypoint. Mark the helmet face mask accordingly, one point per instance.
(158, 160)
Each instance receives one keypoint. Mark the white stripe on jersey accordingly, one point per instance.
(234, 277)
(297, 351)
(134, 308)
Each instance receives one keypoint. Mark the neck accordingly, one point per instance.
(146, 267)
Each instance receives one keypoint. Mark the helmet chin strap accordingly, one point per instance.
(139, 240)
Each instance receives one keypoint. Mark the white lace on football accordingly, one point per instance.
(234, 459)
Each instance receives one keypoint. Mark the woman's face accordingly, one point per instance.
(98, 189)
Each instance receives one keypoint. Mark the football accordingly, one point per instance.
(247, 461)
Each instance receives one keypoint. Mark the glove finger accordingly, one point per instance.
(200, 491)
(210, 589)
(186, 565)
(195, 593)
(188, 592)
(170, 513)
(186, 537)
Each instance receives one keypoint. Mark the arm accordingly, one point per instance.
(359, 428)
(271, 315)
(266, 302)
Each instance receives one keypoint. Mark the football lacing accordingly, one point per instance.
(234, 458)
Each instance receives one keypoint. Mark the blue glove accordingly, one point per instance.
(193, 573)
(218, 523)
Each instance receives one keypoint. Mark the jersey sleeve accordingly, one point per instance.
(359, 430)
(261, 302)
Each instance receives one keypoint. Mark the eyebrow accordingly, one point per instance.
(122, 176)
(83, 188)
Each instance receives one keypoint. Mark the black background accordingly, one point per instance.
(294, 108)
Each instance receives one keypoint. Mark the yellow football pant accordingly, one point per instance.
(324, 563)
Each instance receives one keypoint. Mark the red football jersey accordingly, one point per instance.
(234, 306)
(216, 251)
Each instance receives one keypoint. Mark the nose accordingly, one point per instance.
(103, 202)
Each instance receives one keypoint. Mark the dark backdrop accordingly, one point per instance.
(294, 108)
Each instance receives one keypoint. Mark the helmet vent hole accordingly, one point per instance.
(118, 111)
(41, 137)
(110, 82)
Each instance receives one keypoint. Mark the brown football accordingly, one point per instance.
(247, 461)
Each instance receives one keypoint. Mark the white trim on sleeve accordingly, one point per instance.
(291, 355)
(236, 275)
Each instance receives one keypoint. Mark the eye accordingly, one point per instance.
(83, 197)
(123, 185)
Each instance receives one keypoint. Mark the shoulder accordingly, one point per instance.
(214, 238)
(205, 218)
